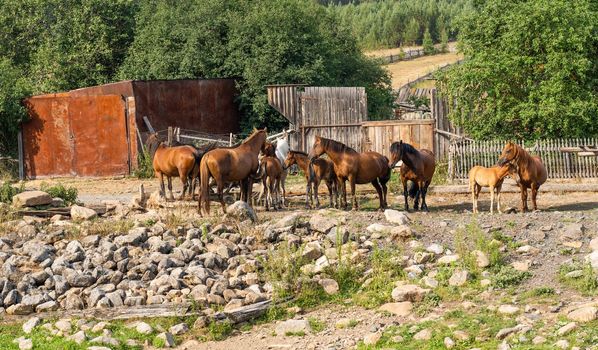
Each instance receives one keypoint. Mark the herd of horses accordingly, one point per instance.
(257, 159)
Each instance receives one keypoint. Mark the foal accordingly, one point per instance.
(493, 178)
(272, 171)
(323, 169)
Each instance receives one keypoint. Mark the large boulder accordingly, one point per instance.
(396, 217)
(31, 199)
(321, 223)
(241, 211)
(584, 314)
(82, 213)
(409, 292)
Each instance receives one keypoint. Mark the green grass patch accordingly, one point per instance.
(385, 271)
(586, 282)
(316, 325)
(7, 191)
(145, 168)
(507, 276)
(67, 193)
(219, 330)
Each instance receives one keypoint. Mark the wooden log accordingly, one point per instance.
(248, 312)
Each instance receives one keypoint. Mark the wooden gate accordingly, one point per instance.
(379, 135)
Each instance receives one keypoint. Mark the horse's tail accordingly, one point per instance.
(386, 177)
(204, 178)
(312, 173)
(412, 188)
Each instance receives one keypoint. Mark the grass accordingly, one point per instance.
(385, 271)
(145, 169)
(68, 194)
(107, 227)
(7, 191)
(316, 325)
(507, 276)
(219, 330)
(586, 283)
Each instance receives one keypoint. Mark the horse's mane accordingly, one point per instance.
(522, 154)
(253, 134)
(336, 146)
(298, 152)
(406, 148)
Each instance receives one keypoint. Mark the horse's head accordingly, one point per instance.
(290, 160)
(514, 172)
(396, 153)
(152, 143)
(509, 153)
(317, 149)
(269, 149)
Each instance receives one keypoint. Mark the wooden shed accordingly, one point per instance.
(97, 131)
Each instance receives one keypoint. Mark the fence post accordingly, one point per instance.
(230, 139)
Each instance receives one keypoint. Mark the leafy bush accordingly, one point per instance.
(586, 282)
(507, 276)
(68, 194)
(385, 271)
(145, 168)
(7, 191)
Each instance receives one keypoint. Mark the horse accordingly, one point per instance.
(323, 169)
(493, 178)
(271, 171)
(179, 161)
(358, 168)
(282, 150)
(227, 165)
(530, 169)
(418, 167)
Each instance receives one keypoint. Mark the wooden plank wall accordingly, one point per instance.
(559, 164)
(330, 112)
(379, 135)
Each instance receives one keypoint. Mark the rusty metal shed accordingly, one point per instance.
(96, 131)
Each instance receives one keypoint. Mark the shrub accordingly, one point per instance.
(145, 168)
(68, 194)
(7, 191)
(507, 276)
(586, 282)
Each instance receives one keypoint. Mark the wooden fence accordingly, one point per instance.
(563, 158)
(379, 135)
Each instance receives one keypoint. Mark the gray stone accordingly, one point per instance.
(396, 217)
(78, 337)
(584, 314)
(19, 309)
(339, 234)
(64, 325)
(76, 279)
(82, 213)
(143, 328)
(134, 237)
(179, 329)
(47, 306)
(330, 286)
(241, 211)
(30, 324)
(73, 302)
(312, 251)
(321, 223)
(31, 199)
(167, 338)
(292, 326)
(572, 232)
(459, 278)
(399, 309)
(372, 338)
(25, 344)
(409, 292)
(424, 334)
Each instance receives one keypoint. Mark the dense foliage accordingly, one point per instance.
(56, 45)
(261, 42)
(531, 70)
(393, 23)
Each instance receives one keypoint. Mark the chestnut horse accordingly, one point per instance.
(228, 165)
(418, 167)
(271, 171)
(177, 161)
(323, 169)
(492, 178)
(531, 171)
(358, 168)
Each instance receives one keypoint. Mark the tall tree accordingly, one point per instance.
(530, 70)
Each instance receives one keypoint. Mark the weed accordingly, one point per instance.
(295, 334)
(507, 276)
(585, 281)
(316, 325)
(174, 220)
(430, 301)
(107, 227)
(282, 267)
(68, 194)
(385, 271)
(219, 330)
(145, 168)
(7, 191)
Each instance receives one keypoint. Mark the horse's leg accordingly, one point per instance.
(220, 188)
(534, 194)
(249, 188)
(308, 195)
(162, 185)
(171, 197)
(355, 205)
(343, 192)
(283, 180)
(498, 188)
(523, 198)
(491, 199)
(379, 191)
(316, 189)
(474, 203)
(330, 193)
(405, 194)
(417, 196)
(185, 186)
(384, 193)
(424, 193)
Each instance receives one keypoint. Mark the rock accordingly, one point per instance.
(372, 338)
(574, 274)
(449, 343)
(19, 309)
(572, 232)
(330, 286)
(24, 344)
(396, 217)
(322, 224)
(422, 257)
(82, 213)
(241, 211)
(344, 323)
(136, 236)
(76, 279)
(167, 338)
(448, 259)
(179, 329)
(592, 258)
(435, 248)
(538, 340)
(584, 314)
(399, 309)
(503, 346)
(292, 326)
(321, 264)
(562, 344)
(338, 235)
(31, 199)
(312, 251)
(459, 278)
(30, 324)
(105, 339)
(505, 332)
(73, 302)
(63, 325)
(566, 329)
(78, 337)
(594, 244)
(394, 232)
(424, 334)
(461, 335)
(482, 259)
(522, 266)
(409, 292)
(47, 306)
(430, 282)
(508, 309)
(143, 328)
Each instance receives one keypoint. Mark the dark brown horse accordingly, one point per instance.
(531, 171)
(358, 168)
(418, 167)
(227, 165)
(323, 169)
(177, 161)
(271, 171)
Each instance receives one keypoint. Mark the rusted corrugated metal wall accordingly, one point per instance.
(76, 136)
(379, 135)
(203, 105)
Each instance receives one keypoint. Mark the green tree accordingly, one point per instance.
(428, 43)
(530, 70)
(443, 40)
(12, 89)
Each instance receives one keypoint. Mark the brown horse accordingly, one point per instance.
(323, 169)
(227, 165)
(358, 168)
(493, 178)
(418, 167)
(531, 171)
(177, 161)
(271, 171)
(269, 150)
